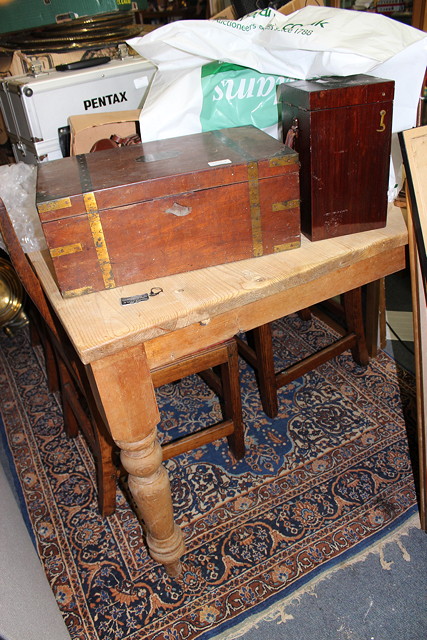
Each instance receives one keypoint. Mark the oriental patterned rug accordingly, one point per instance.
(319, 484)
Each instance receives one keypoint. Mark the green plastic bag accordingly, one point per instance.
(235, 96)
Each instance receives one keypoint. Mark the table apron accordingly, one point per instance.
(169, 347)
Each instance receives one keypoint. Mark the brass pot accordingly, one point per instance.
(12, 297)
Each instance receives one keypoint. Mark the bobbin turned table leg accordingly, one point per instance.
(149, 484)
(124, 393)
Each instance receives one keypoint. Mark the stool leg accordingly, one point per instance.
(38, 336)
(232, 400)
(71, 425)
(263, 340)
(51, 365)
(260, 357)
(375, 316)
(305, 314)
(352, 302)
(35, 338)
(106, 472)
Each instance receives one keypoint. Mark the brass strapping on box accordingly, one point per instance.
(66, 250)
(99, 239)
(283, 206)
(255, 208)
(278, 248)
(281, 161)
(53, 205)
(74, 293)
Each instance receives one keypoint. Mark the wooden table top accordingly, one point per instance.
(98, 324)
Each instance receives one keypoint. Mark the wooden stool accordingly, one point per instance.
(67, 374)
(226, 385)
(258, 352)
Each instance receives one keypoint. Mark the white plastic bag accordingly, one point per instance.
(312, 42)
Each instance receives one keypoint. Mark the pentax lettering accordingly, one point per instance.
(104, 101)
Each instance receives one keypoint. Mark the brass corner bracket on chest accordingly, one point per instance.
(98, 237)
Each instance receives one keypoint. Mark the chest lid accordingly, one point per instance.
(335, 92)
(163, 168)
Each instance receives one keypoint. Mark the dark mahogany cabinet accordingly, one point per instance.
(341, 129)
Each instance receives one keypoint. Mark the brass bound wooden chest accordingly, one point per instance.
(145, 211)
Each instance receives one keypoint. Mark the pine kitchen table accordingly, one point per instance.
(120, 344)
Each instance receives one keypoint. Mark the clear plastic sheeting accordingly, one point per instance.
(18, 192)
